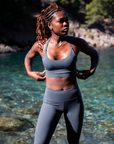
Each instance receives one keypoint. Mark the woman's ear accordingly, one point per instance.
(50, 25)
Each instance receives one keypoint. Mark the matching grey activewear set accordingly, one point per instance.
(55, 103)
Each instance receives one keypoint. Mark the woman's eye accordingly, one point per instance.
(63, 20)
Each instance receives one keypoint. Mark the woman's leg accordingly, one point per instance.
(74, 119)
(47, 121)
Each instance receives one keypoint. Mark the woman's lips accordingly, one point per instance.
(66, 29)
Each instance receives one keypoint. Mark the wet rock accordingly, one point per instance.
(5, 49)
(109, 127)
(12, 49)
(8, 49)
(14, 124)
(10, 106)
(28, 111)
(23, 137)
(20, 142)
(59, 137)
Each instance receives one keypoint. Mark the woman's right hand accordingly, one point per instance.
(38, 76)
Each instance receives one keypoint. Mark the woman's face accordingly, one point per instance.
(60, 23)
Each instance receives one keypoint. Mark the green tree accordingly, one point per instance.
(109, 6)
(98, 9)
(95, 11)
(73, 5)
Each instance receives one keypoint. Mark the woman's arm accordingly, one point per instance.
(33, 52)
(85, 48)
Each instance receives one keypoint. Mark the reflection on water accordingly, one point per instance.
(18, 92)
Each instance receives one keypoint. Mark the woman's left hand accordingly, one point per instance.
(84, 74)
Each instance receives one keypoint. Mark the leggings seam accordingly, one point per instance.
(60, 101)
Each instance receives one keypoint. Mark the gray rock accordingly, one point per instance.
(12, 49)
(93, 36)
(14, 124)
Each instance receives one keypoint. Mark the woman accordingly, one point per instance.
(59, 54)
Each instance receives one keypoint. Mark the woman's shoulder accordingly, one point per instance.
(76, 41)
(39, 45)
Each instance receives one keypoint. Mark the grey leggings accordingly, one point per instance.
(55, 103)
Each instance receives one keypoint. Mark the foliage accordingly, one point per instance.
(11, 9)
(89, 35)
(98, 9)
(95, 11)
(73, 5)
(70, 32)
(109, 6)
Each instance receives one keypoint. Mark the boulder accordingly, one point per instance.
(14, 124)
(12, 49)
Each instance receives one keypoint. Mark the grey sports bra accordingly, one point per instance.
(60, 68)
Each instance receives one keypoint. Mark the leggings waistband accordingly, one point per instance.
(62, 95)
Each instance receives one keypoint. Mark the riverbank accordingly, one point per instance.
(21, 33)
(21, 37)
(96, 37)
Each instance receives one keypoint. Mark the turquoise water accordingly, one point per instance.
(18, 91)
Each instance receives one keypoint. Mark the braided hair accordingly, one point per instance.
(43, 32)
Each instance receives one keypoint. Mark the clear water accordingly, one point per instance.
(18, 91)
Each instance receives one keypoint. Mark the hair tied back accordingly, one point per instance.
(46, 16)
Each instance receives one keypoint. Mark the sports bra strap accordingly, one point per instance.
(60, 68)
(47, 44)
(70, 46)
(49, 40)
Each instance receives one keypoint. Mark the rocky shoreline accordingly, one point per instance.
(12, 49)
(95, 37)
(24, 37)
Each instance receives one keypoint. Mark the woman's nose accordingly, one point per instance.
(66, 23)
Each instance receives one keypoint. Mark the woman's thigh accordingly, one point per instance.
(46, 124)
(74, 119)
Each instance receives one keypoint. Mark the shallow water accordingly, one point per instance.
(18, 91)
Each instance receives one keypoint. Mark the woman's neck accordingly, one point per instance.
(57, 39)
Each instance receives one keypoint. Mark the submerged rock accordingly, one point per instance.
(109, 127)
(28, 111)
(20, 142)
(14, 124)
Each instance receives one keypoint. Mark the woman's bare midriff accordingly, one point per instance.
(63, 83)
